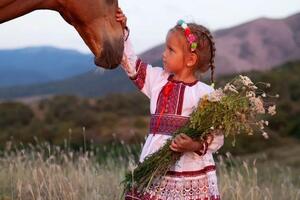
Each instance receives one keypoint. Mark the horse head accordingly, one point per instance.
(94, 20)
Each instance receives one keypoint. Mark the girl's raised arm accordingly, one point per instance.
(129, 58)
(142, 74)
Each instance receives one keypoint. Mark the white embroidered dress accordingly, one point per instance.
(194, 175)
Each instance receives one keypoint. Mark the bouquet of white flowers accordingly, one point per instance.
(237, 108)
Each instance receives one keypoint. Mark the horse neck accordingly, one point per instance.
(11, 9)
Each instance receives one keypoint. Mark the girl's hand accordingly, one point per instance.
(120, 17)
(184, 143)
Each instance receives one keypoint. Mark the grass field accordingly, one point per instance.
(46, 172)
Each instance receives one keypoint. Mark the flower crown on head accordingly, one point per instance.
(189, 35)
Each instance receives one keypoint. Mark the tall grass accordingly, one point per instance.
(241, 179)
(45, 172)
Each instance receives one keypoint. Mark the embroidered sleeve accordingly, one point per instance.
(217, 141)
(142, 74)
(212, 144)
(129, 59)
(203, 149)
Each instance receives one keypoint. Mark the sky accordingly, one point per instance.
(148, 20)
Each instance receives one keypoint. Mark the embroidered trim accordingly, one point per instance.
(203, 149)
(171, 78)
(174, 101)
(147, 196)
(203, 187)
(192, 173)
(166, 103)
(180, 101)
(140, 77)
(167, 89)
(168, 123)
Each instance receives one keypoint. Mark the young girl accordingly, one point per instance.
(174, 92)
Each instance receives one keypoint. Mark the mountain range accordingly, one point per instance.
(33, 65)
(256, 45)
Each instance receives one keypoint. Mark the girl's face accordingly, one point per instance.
(174, 53)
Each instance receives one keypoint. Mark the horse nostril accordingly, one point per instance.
(105, 63)
(109, 60)
(112, 54)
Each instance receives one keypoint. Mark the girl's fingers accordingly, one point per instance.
(177, 140)
(174, 148)
(120, 12)
(174, 144)
(120, 19)
(120, 16)
(182, 136)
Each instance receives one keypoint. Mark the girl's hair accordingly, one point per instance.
(205, 50)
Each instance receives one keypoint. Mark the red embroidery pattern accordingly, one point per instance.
(199, 188)
(166, 95)
(203, 149)
(134, 195)
(140, 77)
(170, 101)
(168, 123)
(137, 196)
(171, 78)
(180, 102)
(175, 96)
(192, 173)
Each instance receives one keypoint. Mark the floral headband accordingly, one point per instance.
(189, 35)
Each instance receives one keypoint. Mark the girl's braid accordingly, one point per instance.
(212, 51)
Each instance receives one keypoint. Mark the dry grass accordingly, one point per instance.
(51, 173)
(243, 179)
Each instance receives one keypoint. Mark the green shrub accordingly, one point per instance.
(14, 114)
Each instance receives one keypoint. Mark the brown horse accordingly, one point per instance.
(94, 20)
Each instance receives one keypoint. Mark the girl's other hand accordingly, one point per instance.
(120, 17)
(184, 143)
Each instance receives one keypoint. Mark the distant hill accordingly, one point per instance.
(41, 64)
(90, 84)
(127, 114)
(256, 45)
